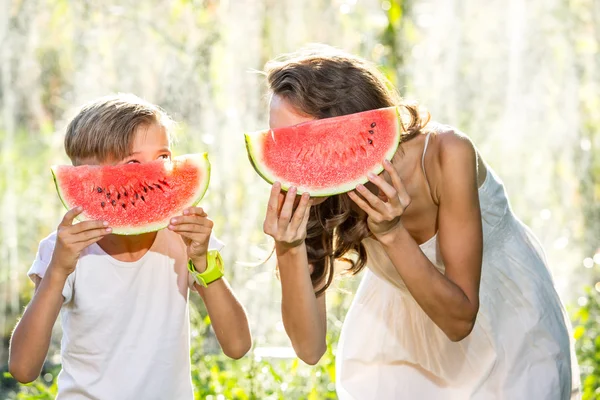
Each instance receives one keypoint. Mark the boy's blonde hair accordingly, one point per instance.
(104, 129)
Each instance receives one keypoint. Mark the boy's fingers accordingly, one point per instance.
(70, 216)
(90, 241)
(193, 236)
(192, 219)
(195, 211)
(97, 234)
(86, 226)
(190, 228)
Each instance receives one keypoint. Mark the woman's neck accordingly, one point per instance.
(127, 248)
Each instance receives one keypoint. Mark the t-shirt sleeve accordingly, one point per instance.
(213, 244)
(42, 260)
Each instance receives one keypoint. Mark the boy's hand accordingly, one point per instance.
(195, 229)
(72, 239)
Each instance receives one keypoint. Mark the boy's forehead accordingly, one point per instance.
(152, 135)
(95, 161)
(86, 161)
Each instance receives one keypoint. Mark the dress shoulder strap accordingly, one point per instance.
(423, 157)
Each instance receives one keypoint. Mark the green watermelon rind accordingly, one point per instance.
(253, 150)
(199, 159)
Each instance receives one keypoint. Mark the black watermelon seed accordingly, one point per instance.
(157, 186)
(371, 132)
(373, 125)
(370, 141)
(102, 204)
(99, 190)
(113, 202)
(150, 187)
(145, 190)
(143, 199)
(133, 203)
(125, 193)
(118, 196)
(108, 195)
(123, 205)
(137, 196)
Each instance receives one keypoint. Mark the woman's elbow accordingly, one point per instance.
(238, 350)
(312, 356)
(460, 333)
(461, 329)
(20, 373)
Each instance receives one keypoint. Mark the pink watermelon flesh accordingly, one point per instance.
(326, 156)
(134, 198)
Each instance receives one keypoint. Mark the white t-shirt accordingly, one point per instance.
(125, 324)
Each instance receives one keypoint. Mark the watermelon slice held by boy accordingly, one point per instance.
(134, 198)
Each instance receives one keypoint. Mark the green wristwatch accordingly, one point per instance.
(214, 269)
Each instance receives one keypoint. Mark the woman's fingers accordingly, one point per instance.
(388, 190)
(287, 209)
(364, 205)
(273, 205)
(373, 200)
(298, 216)
(398, 184)
(304, 222)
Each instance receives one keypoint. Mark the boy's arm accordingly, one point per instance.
(31, 338)
(227, 316)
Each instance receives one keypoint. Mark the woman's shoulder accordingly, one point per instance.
(449, 152)
(446, 140)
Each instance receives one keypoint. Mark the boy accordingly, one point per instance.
(124, 299)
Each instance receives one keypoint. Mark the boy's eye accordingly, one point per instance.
(165, 156)
(133, 162)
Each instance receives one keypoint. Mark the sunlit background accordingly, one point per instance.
(520, 77)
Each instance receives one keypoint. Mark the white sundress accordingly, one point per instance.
(520, 348)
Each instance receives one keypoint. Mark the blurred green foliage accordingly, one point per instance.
(214, 374)
(587, 333)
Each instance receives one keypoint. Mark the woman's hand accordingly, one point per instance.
(284, 224)
(385, 209)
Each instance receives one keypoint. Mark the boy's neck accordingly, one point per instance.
(127, 248)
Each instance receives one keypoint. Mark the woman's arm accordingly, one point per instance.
(451, 300)
(304, 314)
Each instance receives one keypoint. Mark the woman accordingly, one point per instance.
(457, 301)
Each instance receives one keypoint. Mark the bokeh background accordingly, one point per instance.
(520, 77)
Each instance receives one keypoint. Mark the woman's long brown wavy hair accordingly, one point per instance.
(323, 82)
